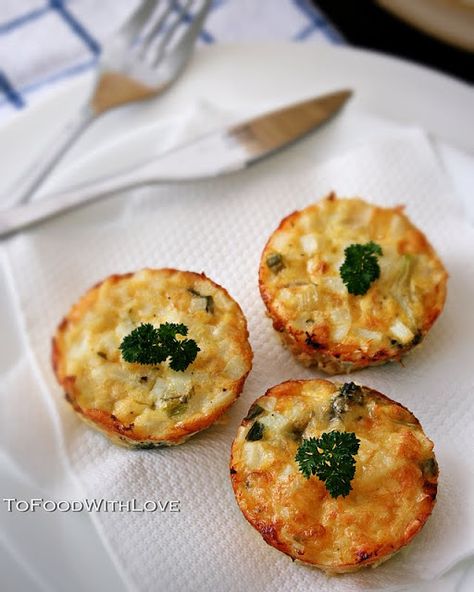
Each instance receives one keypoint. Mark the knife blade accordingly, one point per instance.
(214, 154)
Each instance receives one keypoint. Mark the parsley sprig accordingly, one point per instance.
(360, 267)
(147, 344)
(331, 458)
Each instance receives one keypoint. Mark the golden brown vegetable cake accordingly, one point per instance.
(393, 489)
(312, 275)
(149, 405)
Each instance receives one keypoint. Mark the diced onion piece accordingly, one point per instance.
(286, 472)
(256, 456)
(341, 323)
(368, 335)
(388, 271)
(306, 297)
(362, 218)
(127, 409)
(176, 386)
(108, 343)
(235, 368)
(309, 243)
(124, 328)
(401, 332)
(276, 422)
(405, 306)
(172, 315)
(334, 284)
(103, 373)
(306, 222)
(285, 296)
(269, 403)
(397, 225)
(159, 388)
(79, 350)
(280, 241)
(180, 384)
(198, 303)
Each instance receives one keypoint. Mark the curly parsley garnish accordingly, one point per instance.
(151, 345)
(360, 267)
(331, 458)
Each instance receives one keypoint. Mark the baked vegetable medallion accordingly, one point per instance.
(349, 284)
(335, 475)
(152, 357)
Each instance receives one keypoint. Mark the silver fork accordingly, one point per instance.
(142, 60)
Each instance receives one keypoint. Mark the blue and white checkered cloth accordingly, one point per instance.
(45, 42)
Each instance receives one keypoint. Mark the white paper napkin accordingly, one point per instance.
(220, 227)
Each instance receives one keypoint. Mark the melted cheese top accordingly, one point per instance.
(306, 293)
(153, 399)
(392, 489)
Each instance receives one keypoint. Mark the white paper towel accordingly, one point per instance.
(220, 227)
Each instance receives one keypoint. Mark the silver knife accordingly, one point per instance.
(214, 154)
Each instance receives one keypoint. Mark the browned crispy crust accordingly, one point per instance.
(128, 435)
(369, 553)
(315, 348)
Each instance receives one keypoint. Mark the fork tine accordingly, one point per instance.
(186, 41)
(189, 36)
(182, 13)
(147, 40)
(134, 24)
(174, 5)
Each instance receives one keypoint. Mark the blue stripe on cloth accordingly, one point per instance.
(75, 25)
(12, 95)
(317, 22)
(204, 35)
(23, 19)
(310, 12)
(62, 75)
(306, 32)
(333, 35)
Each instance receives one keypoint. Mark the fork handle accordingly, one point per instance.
(42, 167)
(23, 216)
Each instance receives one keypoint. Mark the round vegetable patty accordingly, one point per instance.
(149, 405)
(393, 488)
(313, 273)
